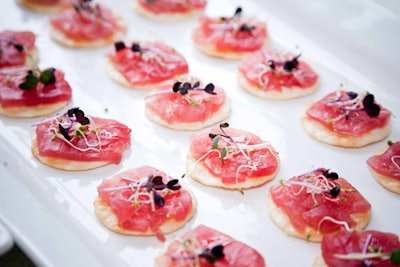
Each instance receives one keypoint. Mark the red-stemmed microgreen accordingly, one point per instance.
(184, 88)
(135, 47)
(224, 149)
(73, 115)
(235, 22)
(318, 181)
(150, 187)
(74, 125)
(288, 65)
(353, 102)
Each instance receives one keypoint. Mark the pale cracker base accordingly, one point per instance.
(42, 8)
(66, 165)
(285, 94)
(387, 182)
(319, 261)
(117, 77)
(201, 174)
(107, 217)
(210, 50)
(219, 116)
(32, 111)
(282, 220)
(322, 134)
(64, 40)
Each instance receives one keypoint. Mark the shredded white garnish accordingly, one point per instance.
(240, 146)
(139, 195)
(76, 129)
(362, 256)
(328, 218)
(313, 184)
(393, 159)
(345, 104)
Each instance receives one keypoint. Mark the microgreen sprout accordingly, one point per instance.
(152, 185)
(243, 27)
(393, 256)
(211, 254)
(288, 65)
(183, 88)
(318, 181)
(33, 77)
(73, 115)
(354, 102)
(216, 138)
(85, 5)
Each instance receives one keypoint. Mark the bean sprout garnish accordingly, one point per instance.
(353, 102)
(148, 188)
(371, 254)
(318, 181)
(74, 125)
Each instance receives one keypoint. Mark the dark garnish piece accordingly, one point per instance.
(334, 191)
(351, 94)
(390, 142)
(212, 254)
(183, 88)
(46, 77)
(370, 107)
(238, 11)
(291, 64)
(288, 65)
(330, 175)
(155, 183)
(79, 115)
(119, 45)
(73, 115)
(395, 256)
(136, 47)
(17, 46)
(30, 82)
(158, 199)
(64, 132)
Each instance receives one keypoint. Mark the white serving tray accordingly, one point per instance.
(50, 212)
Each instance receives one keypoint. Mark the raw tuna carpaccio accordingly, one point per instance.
(13, 96)
(192, 107)
(189, 248)
(344, 113)
(388, 163)
(99, 140)
(145, 63)
(14, 46)
(86, 25)
(363, 244)
(234, 34)
(236, 167)
(172, 6)
(133, 205)
(318, 201)
(266, 70)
